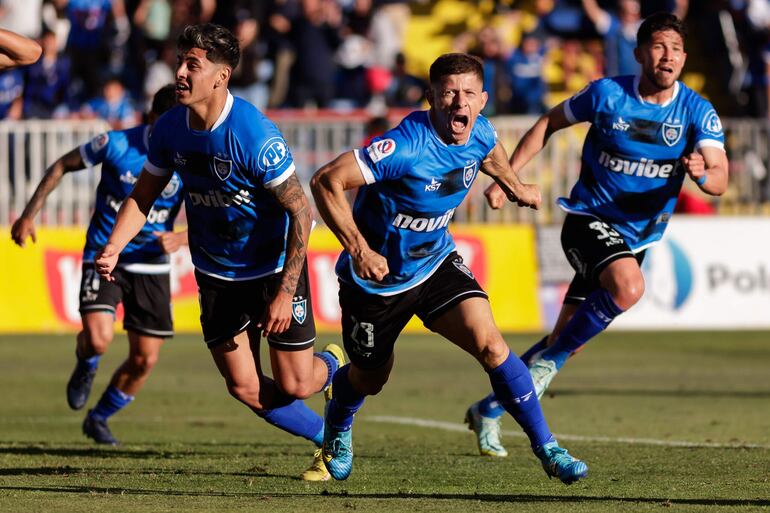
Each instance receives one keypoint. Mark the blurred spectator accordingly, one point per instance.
(114, 106)
(250, 79)
(405, 90)
(278, 35)
(526, 77)
(357, 79)
(678, 8)
(22, 16)
(490, 49)
(47, 82)
(11, 90)
(375, 127)
(87, 45)
(619, 34)
(153, 19)
(160, 73)
(316, 37)
(389, 22)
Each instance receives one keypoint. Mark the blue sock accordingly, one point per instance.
(331, 365)
(92, 362)
(516, 393)
(345, 403)
(296, 418)
(490, 407)
(111, 402)
(590, 319)
(539, 346)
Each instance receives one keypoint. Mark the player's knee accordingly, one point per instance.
(142, 364)
(297, 388)
(98, 338)
(492, 349)
(247, 394)
(628, 291)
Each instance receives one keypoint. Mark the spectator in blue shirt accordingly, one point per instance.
(114, 106)
(47, 82)
(619, 34)
(525, 67)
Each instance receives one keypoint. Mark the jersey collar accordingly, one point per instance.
(668, 102)
(222, 116)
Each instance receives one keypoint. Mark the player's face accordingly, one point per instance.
(196, 76)
(455, 104)
(662, 58)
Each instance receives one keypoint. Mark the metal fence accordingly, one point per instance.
(28, 147)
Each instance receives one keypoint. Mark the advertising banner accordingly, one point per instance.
(39, 292)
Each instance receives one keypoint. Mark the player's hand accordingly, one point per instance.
(21, 229)
(169, 241)
(106, 260)
(495, 196)
(277, 317)
(694, 165)
(526, 195)
(370, 265)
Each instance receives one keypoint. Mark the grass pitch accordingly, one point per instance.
(665, 421)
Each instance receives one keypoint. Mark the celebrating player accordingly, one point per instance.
(249, 223)
(399, 258)
(647, 133)
(17, 50)
(142, 275)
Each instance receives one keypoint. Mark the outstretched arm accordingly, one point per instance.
(130, 219)
(25, 225)
(529, 146)
(17, 50)
(329, 185)
(598, 16)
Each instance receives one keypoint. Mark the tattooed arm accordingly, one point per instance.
(291, 197)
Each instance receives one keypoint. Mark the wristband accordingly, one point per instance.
(701, 180)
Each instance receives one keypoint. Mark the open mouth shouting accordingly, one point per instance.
(458, 122)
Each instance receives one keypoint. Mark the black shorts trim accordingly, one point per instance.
(97, 308)
(290, 346)
(151, 333)
(222, 338)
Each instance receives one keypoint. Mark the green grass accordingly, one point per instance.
(188, 446)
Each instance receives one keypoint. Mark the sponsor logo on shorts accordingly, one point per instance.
(299, 309)
(381, 149)
(423, 224)
(647, 168)
(458, 263)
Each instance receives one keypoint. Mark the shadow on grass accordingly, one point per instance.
(400, 495)
(139, 451)
(66, 470)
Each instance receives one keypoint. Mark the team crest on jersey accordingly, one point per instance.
(299, 309)
(99, 142)
(172, 187)
(462, 268)
(469, 173)
(223, 168)
(672, 133)
(381, 149)
(712, 125)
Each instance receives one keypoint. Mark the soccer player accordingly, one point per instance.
(648, 133)
(399, 258)
(17, 50)
(141, 278)
(249, 223)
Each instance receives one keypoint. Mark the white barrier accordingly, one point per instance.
(707, 273)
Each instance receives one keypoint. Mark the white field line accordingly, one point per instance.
(451, 426)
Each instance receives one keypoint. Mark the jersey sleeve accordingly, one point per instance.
(707, 126)
(387, 157)
(272, 162)
(582, 106)
(487, 133)
(95, 151)
(159, 159)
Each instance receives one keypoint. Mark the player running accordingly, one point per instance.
(17, 50)
(400, 260)
(647, 133)
(141, 277)
(249, 223)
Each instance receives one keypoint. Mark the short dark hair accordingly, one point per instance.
(220, 44)
(455, 64)
(164, 99)
(659, 22)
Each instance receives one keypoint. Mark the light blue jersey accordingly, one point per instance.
(236, 228)
(414, 183)
(122, 155)
(631, 173)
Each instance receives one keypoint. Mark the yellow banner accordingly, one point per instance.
(39, 292)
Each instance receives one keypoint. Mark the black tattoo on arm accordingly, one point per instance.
(292, 198)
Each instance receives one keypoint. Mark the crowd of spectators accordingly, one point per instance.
(105, 58)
